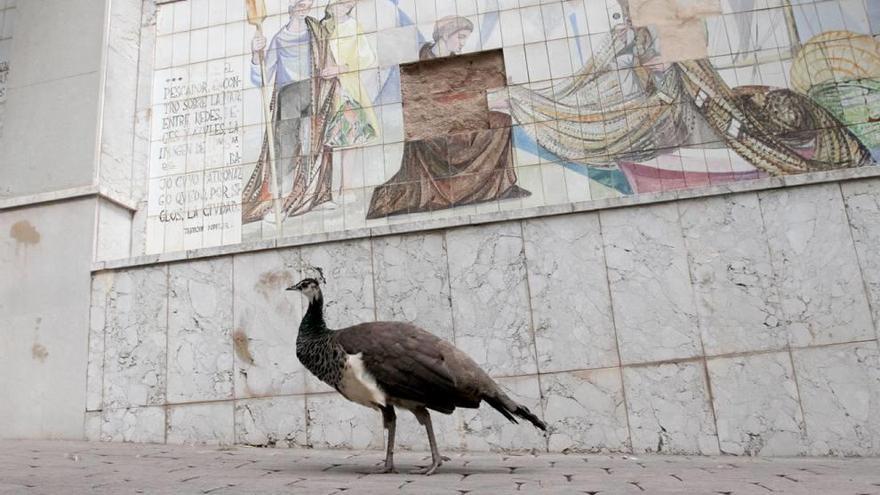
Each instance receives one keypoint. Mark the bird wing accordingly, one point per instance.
(407, 362)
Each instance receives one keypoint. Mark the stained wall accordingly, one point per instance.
(743, 324)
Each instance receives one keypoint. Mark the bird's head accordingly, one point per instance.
(309, 287)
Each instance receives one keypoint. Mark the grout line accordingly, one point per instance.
(525, 265)
(698, 319)
(231, 343)
(614, 328)
(459, 419)
(445, 249)
(694, 359)
(797, 388)
(167, 325)
(865, 285)
(370, 242)
(775, 286)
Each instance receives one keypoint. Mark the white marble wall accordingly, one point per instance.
(738, 324)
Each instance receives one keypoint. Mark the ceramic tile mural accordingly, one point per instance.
(285, 117)
(7, 20)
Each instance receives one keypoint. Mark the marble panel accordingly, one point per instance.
(862, 200)
(266, 321)
(585, 411)
(138, 425)
(669, 409)
(840, 393)
(490, 302)
(200, 330)
(102, 283)
(412, 281)
(411, 435)
(821, 289)
(68, 37)
(568, 286)
(348, 293)
(271, 422)
(737, 301)
(336, 423)
(651, 293)
(201, 424)
(757, 405)
(135, 338)
(485, 429)
(114, 232)
(92, 426)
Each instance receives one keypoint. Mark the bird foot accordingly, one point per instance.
(427, 471)
(387, 467)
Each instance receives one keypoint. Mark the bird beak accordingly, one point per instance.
(293, 287)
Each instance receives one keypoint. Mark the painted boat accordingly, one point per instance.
(687, 168)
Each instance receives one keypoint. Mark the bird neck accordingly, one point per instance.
(313, 321)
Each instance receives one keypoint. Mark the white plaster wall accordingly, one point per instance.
(48, 140)
(45, 258)
(738, 324)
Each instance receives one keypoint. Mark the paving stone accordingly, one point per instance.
(45, 467)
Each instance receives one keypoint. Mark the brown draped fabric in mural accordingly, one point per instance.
(312, 163)
(458, 169)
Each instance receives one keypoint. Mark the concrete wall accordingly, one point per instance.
(48, 141)
(52, 201)
(742, 324)
(45, 258)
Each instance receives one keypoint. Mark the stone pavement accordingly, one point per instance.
(33, 467)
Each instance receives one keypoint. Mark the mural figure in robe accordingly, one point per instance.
(623, 108)
(318, 105)
(455, 166)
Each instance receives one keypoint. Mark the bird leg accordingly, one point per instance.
(424, 417)
(389, 418)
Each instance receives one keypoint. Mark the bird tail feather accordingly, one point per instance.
(509, 409)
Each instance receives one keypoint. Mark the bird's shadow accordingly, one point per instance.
(403, 469)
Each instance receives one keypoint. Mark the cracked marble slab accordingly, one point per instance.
(490, 297)
(570, 301)
(92, 426)
(862, 200)
(485, 429)
(737, 301)
(411, 435)
(336, 423)
(271, 422)
(840, 391)
(200, 330)
(757, 405)
(348, 293)
(651, 292)
(669, 409)
(102, 283)
(266, 321)
(820, 285)
(139, 425)
(585, 411)
(135, 338)
(412, 281)
(201, 424)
